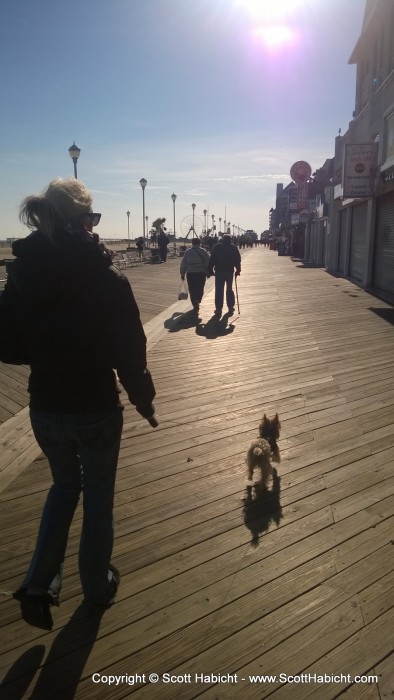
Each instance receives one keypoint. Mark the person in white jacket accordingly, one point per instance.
(194, 265)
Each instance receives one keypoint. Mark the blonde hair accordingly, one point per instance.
(63, 203)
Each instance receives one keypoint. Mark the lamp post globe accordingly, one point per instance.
(74, 152)
(143, 184)
(173, 197)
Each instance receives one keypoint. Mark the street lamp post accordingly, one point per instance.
(213, 223)
(220, 225)
(128, 229)
(193, 207)
(143, 184)
(74, 152)
(205, 221)
(173, 197)
(147, 232)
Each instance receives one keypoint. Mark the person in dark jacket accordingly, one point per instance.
(224, 260)
(69, 314)
(162, 244)
(140, 247)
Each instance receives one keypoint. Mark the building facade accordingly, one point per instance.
(353, 236)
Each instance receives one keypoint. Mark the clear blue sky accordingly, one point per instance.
(211, 99)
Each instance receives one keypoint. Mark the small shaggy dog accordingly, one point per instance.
(265, 450)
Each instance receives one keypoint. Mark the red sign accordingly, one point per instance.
(300, 171)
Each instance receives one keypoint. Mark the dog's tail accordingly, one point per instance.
(257, 451)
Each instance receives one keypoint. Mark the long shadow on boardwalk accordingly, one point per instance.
(75, 640)
(261, 508)
(215, 328)
(181, 321)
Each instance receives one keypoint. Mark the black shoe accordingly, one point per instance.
(231, 310)
(115, 581)
(112, 595)
(217, 313)
(35, 609)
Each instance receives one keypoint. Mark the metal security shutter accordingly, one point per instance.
(383, 263)
(357, 241)
(342, 243)
(324, 242)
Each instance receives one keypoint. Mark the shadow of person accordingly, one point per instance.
(181, 321)
(215, 328)
(68, 655)
(261, 508)
(18, 678)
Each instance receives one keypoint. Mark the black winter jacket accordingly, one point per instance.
(224, 259)
(69, 314)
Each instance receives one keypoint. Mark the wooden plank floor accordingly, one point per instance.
(219, 578)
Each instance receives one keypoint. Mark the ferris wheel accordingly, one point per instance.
(191, 224)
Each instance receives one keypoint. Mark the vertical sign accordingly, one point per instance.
(302, 195)
(359, 169)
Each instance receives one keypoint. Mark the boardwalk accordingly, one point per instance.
(221, 581)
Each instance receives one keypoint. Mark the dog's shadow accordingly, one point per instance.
(181, 321)
(261, 508)
(215, 328)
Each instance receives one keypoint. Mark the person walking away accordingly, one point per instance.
(224, 260)
(162, 243)
(140, 247)
(194, 265)
(71, 315)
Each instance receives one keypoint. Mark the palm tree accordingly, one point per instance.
(158, 225)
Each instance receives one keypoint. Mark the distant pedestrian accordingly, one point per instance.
(162, 244)
(69, 314)
(140, 247)
(224, 260)
(194, 265)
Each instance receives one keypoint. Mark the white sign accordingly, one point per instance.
(304, 216)
(359, 169)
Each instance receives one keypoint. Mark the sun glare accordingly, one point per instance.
(269, 10)
(275, 36)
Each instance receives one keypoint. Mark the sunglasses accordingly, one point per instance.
(94, 218)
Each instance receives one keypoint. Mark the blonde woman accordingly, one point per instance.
(69, 314)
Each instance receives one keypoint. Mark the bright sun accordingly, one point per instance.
(269, 10)
(274, 21)
(275, 36)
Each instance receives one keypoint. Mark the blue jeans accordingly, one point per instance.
(82, 451)
(221, 279)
